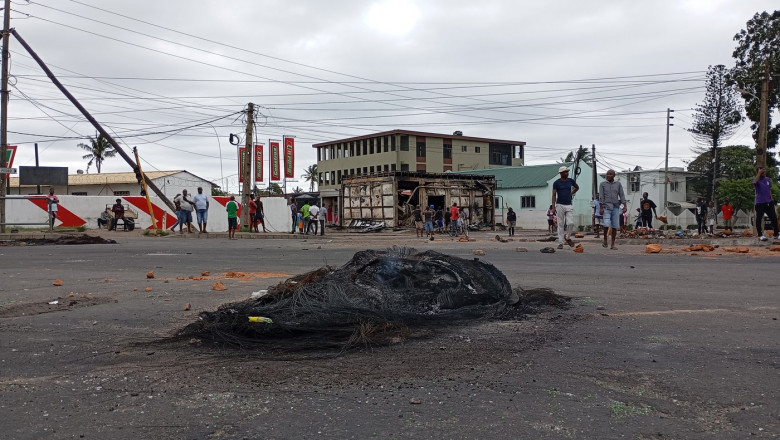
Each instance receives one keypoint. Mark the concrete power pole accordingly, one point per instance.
(669, 118)
(246, 172)
(763, 124)
(4, 110)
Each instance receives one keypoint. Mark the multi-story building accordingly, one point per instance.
(404, 150)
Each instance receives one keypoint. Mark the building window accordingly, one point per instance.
(319, 154)
(500, 154)
(674, 186)
(387, 168)
(79, 193)
(528, 202)
(365, 170)
(365, 147)
(121, 193)
(338, 177)
(404, 167)
(392, 167)
(372, 170)
(420, 147)
(476, 150)
(447, 151)
(392, 143)
(385, 143)
(404, 143)
(634, 183)
(464, 149)
(371, 146)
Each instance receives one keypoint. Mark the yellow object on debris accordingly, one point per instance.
(261, 319)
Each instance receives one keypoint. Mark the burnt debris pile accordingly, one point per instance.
(378, 297)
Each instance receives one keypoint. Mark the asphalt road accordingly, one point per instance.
(672, 346)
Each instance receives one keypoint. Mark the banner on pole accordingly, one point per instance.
(259, 162)
(275, 175)
(241, 164)
(289, 157)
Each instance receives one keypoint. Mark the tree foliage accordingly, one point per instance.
(758, 44)
(740, 193)
(581, 152)
(99, 150)
(310, 175)
(736, 162)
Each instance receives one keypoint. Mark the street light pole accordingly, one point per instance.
(669, 117)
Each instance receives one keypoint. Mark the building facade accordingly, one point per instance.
(679, 194)
(121, 184)
(408, 151)
(528, 191)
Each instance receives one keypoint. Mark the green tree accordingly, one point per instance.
(274, 188)
(297, 190)
(740, 193)
(99, 150)
(310, 175)
(581, 152)
(758, 45)
(736, 162)
(714, 121)
(216, 191)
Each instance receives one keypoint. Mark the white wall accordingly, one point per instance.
(76, 211)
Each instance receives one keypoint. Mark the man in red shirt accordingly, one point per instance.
(454, 211)
(253, 214)
(728, 211)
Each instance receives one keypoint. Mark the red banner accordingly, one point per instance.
(241, 164)
(274, 160)
(258, 162)
(289, 157)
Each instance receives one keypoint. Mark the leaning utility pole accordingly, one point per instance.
(4, 110)
(246, 171)
(91, 119)
(763, 119)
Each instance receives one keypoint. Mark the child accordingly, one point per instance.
(551, 219)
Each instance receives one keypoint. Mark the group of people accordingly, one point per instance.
(184, 207)
(111, 216)
(308, 218)
(430, 221)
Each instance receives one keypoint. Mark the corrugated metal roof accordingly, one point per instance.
(528, 176)
(111, 178)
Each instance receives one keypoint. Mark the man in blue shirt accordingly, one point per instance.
(764, 203)
(562, 195)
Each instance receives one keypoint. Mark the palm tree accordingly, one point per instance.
(99, 150)
(310, 175)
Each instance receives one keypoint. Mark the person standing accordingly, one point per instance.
(728, 212)
(418, 221)
(511, 221)
(177, 211)
(597, 217)
(252, 213)
(259, 214)
(551, 219)
(53, 202)
(306, 217)
(701, 215)
(187, 206)
(294, 213)
(463, 220)
(647, 211)
(119, 214)
(454, 211)
(322, 217)
(612, 206)
(232, 214)
(314, 210)
(712, 217)
(563, 192)
(201, 202)
(438, 217)
(428, 221)
(764, 203)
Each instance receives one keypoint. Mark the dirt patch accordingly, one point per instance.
(233, 275)
(66, 303)
(66, 239)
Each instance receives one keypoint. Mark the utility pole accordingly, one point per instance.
(669, 117)
(4, 110)
(594, 182)
(246, 172)
(143, 185)
(763, 124)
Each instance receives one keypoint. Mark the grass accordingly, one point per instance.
(622, 410)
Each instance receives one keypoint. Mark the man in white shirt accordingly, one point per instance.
(322, 215)
(187, 206)
(201, 202)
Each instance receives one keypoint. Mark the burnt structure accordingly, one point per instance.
(390, 197)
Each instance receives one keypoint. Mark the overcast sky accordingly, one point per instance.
(173, 77)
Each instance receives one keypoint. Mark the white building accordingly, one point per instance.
(120, 184)
(679, 193)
